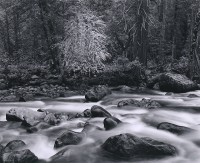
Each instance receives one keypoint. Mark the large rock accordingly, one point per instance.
(144, 103)
(61, 117)
(87, 113)
(29, 122)
(111, 122)
(170, 82)
(21, 114)
(24, 156)
(97, 93)
(69, 138)
(98, 111)
(175, 129)
(193, 96)
(130, 146)
(14, 145)
(51, 119)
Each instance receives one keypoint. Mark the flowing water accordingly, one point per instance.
(177, 108)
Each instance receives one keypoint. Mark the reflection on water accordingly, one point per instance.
(177, 109)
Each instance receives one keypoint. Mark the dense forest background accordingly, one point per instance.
(76, 38)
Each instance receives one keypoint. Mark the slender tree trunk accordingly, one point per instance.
(162, 18)
(174, 30)
(16, 30)
(142, 31)
(9, 46)
(193, 53)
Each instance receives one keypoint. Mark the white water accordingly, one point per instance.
(179, 109)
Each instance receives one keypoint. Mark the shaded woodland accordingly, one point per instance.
(73, 39)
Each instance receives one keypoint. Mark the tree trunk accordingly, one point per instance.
(193, 53)
(9, 46)
(174, 30)
(49, 34)
(16, 30)
(142, 31)
(162, 19)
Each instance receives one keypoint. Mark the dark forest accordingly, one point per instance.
(99, 81)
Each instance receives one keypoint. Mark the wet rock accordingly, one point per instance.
(20, 114)
(98, 111)
(110, 123)
(28, 122)
(97, 93)
(80, 125)
(192, 96)
(175, 129)
(144, 103)
(170, 82)
(41, 110)
(69, 138)
(130, 146)
(73, 115)
(14, 145)
(51, 119)
(91, 128)
(38, 127)
(87, 113)
(61, 117)
(24, 156)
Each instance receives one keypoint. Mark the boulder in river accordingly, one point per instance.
(69, 138)
(98, 111)
(175, 129)
(51, 119)
(38, 127)
(87, 113)
(110, 123)
(170, 82)
(144, 103)
(97, 93)
(29, 122)
(20, 114)
(192, 96)
(24, 156)
(130, 146)
(14, 145)
(61, 117)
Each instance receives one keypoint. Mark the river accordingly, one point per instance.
(176, 108)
